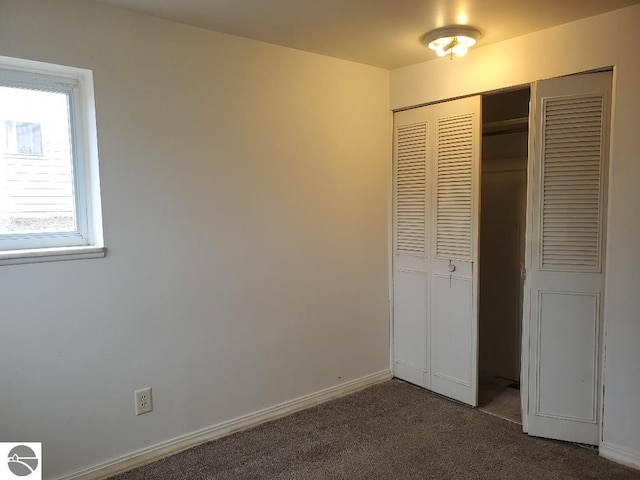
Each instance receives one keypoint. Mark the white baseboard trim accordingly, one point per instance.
(620, 454)
(178, 444)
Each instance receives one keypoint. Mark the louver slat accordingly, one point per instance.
(572, 170)
(411, 156)
(454, 188)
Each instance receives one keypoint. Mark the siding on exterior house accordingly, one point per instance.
(36, 189)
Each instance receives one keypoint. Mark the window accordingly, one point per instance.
(49, 189)
(23, 138)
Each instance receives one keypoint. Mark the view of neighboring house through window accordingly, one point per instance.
(36, 170)
(50, 207)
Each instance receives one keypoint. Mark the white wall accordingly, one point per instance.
(245, 194)
(607, 40)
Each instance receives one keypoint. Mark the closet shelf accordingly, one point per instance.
(506, 126)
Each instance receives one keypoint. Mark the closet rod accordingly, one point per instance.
(506, 126)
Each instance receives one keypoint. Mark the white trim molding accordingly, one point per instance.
(189, 440)
(619, 454)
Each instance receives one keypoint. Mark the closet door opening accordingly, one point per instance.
(502, 249)
(499, 241)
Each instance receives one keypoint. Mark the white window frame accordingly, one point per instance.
(87, 240)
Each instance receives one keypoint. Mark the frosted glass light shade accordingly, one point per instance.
(454, 40)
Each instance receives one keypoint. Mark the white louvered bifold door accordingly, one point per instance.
(456, 149)
(435, 276)
(411, 211)
(565, 274)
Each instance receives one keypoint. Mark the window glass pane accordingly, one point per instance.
(29, 138)
(36, 168)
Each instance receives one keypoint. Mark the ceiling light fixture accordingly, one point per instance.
(451, 40)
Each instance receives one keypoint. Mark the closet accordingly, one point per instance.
(498, 264)
(503, 199)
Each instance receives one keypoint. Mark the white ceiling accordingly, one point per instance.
(385, 33)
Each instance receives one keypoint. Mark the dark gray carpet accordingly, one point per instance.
(389, 431)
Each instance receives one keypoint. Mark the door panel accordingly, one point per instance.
(453, 364)
(436, 185)
(454, 262)
(410, 313)
(565, 277)
(410, 259)
(566, 371)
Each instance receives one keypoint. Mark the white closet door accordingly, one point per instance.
(410, 259)
(454, 248)
(565, 278)
(437, 166)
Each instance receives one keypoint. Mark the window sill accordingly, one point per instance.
(41, 255)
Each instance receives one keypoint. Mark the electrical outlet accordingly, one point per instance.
(144, 402)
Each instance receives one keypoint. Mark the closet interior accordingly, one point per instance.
(505, 118)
